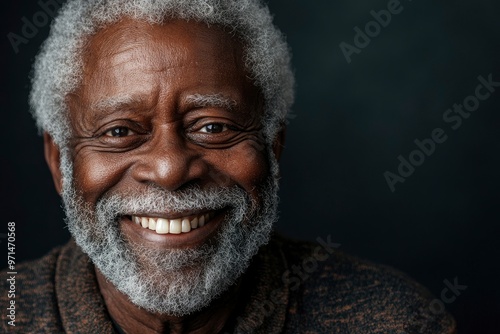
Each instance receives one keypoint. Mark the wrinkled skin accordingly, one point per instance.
(156, 135)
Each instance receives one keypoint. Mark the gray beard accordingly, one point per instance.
(176, 281)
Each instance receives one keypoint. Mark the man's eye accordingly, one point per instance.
(214, 128)
(120, 131)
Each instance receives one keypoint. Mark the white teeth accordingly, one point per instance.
(152, 224)
(194, 222)
(162, 226)
(186, 226)
(175, 226)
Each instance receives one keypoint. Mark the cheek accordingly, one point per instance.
(248, 167)
(245, 165)
(97, 173)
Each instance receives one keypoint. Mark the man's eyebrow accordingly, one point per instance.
(211, 100)
(116, 103)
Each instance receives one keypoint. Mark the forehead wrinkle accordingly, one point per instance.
(140, 44)
(136, 58)
(123, 56)
(125, 47)
(111, 41)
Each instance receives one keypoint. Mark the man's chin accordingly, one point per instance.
(177, 282)
(166, 262)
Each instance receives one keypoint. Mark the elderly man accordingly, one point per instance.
(163, 122)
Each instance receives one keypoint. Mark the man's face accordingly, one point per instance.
(141, 116)
(170, 174)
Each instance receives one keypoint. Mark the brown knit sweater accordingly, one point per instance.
(293, 287)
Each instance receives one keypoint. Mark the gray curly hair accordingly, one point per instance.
(58, 67)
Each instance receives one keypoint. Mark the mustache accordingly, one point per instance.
(154, 199)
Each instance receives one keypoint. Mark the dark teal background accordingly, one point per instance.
(349, 125)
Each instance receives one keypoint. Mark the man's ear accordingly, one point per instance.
(279, 143)
(53, 158)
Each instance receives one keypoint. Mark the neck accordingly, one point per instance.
(133, 319)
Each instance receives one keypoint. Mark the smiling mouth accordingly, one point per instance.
(173, 226)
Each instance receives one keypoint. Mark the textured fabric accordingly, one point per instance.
(291, 287)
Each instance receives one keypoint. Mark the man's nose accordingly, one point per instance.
(167, 161)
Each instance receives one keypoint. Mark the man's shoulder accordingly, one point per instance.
(41, 269)
(333, 290)
(30, 287)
